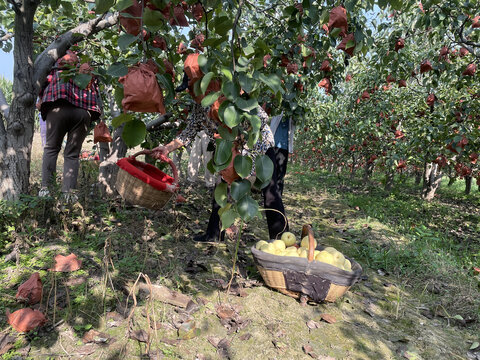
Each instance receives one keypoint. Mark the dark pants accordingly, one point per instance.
(272, 199)
(64, 118)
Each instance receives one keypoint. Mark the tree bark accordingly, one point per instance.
(432, 178)
(389, 178)
(17, 134)
(368, 171)
(107, 175)
(354, 167)
(468, 185)
(418, 177)
(16, 138)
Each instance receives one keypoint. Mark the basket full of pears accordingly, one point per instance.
(317, 272)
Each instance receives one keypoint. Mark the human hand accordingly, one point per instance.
(160, 151)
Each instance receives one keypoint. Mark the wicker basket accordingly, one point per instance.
(297, 277)
(145, 185)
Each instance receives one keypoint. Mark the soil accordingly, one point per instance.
(93, 314)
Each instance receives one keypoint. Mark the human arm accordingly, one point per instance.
(167, 149)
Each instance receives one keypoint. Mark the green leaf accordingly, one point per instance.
(253, 137)
(223, 152)
(260, 184)
(227, 73)
(203, 62)
(125, 40)
(246, 105)
(272, 81)
(474, 345)
(231, 90)
(220, 194)
(240, 188)
(222, 25)
(246, 82)
(230, 116)
(249, 50)
(458, 317)
(243, 165)
(227, 135)
(82, 80)
(228, 218)
(167, 84)
(117, 70)
(153, 19)
(247, 208)
(123, 4)
(205, 82)
(102, 6)
(263, 168)
(134, 133)
(210, 98)
(120, 119)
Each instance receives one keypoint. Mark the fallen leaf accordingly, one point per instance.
(245, 337)
(95, 337)
(307, 349)
(173, 342)
(328, 318)
(188, 331)
(475, 345)
(86, 349)
(279, 345)
(225, 312)
(6, 343)
(139, 335)
(311, 324)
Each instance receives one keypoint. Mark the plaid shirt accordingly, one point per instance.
(57, 89)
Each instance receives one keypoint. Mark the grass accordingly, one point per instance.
(418, 245)
(440, 240)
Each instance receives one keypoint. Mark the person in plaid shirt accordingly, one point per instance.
(68, 110)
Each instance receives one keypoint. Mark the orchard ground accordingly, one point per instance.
(418, 298)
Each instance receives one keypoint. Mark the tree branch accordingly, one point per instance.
(15, 6)
(59, 47)
(232, 42)
(6, 37)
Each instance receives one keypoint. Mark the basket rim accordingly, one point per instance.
(130, 166)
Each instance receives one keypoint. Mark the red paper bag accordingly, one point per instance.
(101, 133)
(141, 91)
(31, 290)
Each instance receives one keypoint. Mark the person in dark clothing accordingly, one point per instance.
(67, 110)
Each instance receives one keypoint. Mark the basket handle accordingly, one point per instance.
(307, 231)
(170, 188)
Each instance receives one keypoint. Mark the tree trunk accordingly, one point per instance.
(468, 185)
(16, 137)
(432, 178)
(368, 171)
(389, 177)
(107, 175)
(354, 167)
(418, 177)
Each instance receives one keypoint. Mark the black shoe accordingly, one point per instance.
(207, 238)
(184, 83)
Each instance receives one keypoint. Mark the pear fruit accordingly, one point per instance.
(330, 249)
(268, 248)
(302, 252)
(338, 259)
(325, 257)
(291, 251)
(305, 242)
(347, 265)
(260, 243)
(288, 238)
(279, 244)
